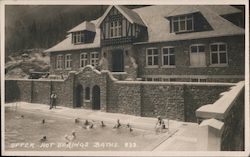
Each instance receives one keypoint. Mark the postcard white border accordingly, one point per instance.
(3, 3)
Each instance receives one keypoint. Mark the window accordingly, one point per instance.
(166, 79)
(157, 79)
(149, 79)
(68, 61)
(115, 29)
(182, 23)
(197, 55)
(59, 62)
(168, 56)
(87, 93)
(218, 53)
(198, 80)
(94, 59)
(83, 59)
(152, 57)
(78, 37)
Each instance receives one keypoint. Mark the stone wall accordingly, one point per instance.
(197, 95)
(229, 111)
(41, 92)
(124, 98)
(90, 77)
(176, 101)
(38, 91)
(164, 100)
(173, 100)
(233, 134)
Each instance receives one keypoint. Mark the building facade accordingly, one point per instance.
(157, 43)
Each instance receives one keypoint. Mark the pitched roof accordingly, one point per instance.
(154, 18)
(158, 26)
(132, 16)
(67, 44)
(224, 9)
(83, 26)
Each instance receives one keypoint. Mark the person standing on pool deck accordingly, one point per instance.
(53, 97)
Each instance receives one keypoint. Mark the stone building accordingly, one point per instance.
(158, 43)
(150, 61)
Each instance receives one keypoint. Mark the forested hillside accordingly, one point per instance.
(43, 26)
(29, 27)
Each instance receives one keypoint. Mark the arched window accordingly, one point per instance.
(87, 93)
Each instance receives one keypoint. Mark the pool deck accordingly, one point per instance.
(182, 137)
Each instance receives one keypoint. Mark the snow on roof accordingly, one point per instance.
(158, 26)
(224, 9)
(83, 26)
(67, 44)
(155, 18)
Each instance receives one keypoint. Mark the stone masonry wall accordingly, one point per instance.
(41, 92)
(173, 100)
(90, 78)
(196, 96)
(233, 133)
(38, 91)
(124, 98)
(163, 100)
(25, 90)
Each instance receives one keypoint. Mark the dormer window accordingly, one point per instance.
(78, 37)
(184, 23)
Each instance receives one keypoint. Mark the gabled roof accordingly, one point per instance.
(182, 10)
(158, 26)
(224, 9)
(129, 14)
(83, 26)
(67, 44)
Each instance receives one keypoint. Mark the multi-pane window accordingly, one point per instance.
(197, 55)
(157, 79)
(68, 61)
(94, 58)
(168, 56)
(78, 37)
(115, 29)
(59, 61)
(83, 59)
(198, 80)
(152, 56)
(218, 53)
(182, 23)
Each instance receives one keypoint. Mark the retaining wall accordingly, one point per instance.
(228, 111)
(173, 100)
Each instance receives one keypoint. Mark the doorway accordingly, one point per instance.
(96, 98)
(79, 96)
(117, 60)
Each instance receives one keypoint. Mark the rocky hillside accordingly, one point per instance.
(20, 64)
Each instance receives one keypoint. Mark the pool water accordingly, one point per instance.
(23, 131)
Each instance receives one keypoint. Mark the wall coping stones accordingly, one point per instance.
(222, 106)
(36, 80)
(216, 124)
(176, 83)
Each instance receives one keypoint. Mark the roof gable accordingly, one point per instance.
(130, 15)
(83, 26)
(154, 17)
